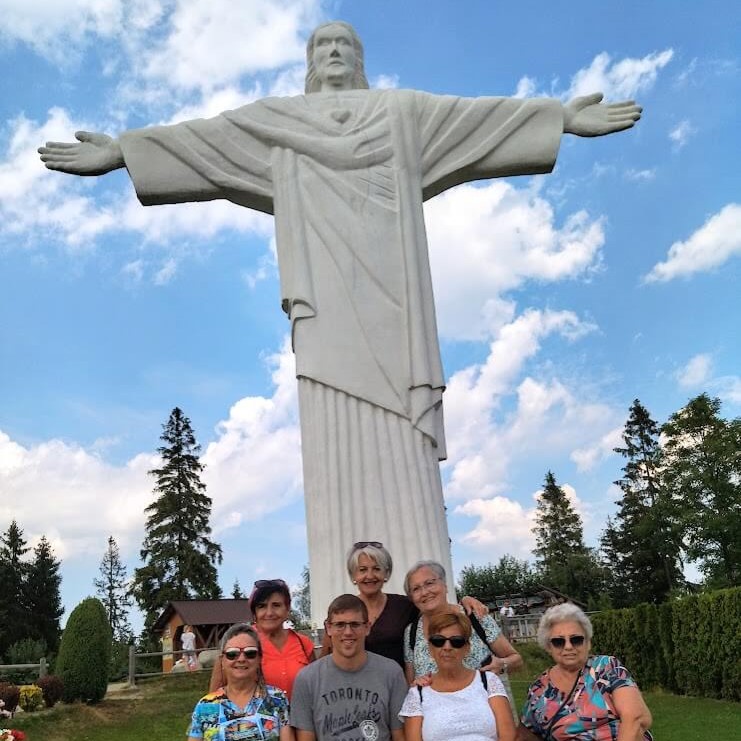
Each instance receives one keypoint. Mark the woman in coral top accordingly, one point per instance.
(284, 651)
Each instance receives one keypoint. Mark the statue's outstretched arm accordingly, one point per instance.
(95, 154)
(587, 116)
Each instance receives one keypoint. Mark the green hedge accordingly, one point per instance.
(690, 645)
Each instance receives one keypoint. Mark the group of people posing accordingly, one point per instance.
(412, 667)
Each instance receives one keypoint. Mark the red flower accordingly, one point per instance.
(18, 735)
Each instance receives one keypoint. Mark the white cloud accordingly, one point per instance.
(588, 457)
(255, 462)
(57, 29)
(212, 42)
(641, 175)
(696, 372)
(253, 468)
(505, 526)
(681, 134)
(487, 240)
(716, 241)
(543, 415)
(620, 80)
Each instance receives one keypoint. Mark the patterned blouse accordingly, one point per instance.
(588, 714)
(217, 718)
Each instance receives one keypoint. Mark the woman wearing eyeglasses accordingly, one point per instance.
(426, 586)
(459, 702)
(369, 566)
(581, 697)
(285, 652)
(245, 706)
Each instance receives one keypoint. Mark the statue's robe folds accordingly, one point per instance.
(345, 175)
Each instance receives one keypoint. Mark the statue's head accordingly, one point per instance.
(334, 58)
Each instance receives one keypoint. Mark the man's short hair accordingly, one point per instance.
(347, 603)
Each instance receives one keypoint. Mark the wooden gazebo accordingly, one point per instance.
(209, 618)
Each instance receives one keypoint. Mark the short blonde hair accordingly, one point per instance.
(377, 554)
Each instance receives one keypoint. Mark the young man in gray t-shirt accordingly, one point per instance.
(350, 695)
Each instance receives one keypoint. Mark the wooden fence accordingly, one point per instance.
(42, 667)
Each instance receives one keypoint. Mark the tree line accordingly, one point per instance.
(680, 502)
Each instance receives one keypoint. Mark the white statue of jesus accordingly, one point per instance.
(345, 171)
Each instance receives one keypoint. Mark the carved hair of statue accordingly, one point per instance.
(359, 81)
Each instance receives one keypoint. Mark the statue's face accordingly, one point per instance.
(334, 57)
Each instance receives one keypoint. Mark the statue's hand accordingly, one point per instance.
(587, 116)
(95, 154)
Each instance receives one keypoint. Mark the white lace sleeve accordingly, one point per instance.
(496, 688)
(412, 706)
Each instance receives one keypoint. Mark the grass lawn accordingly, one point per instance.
(160, 710)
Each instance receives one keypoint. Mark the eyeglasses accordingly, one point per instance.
(559, 642)
(365, 543)
(340, 626)
(260, 583)
(423, 586)
(232, 654)
(438, 641)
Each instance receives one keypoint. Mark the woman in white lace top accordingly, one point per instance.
(459, 704)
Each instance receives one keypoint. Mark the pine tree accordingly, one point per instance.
(703, 468)
(644, 542)
(112, 589)
(43, 600)
(237, 592)
(562, 559)
(13, 570)
(179, 556)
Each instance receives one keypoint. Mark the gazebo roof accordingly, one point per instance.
(205, 612)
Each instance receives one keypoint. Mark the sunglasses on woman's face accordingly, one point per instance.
(560, 642)
(439, 641)
(232, 654)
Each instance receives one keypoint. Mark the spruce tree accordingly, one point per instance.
(112, 589)
(237, 592)
(702, 466)
(13, 570)
(179, 556)
(43, 600)
(644, 539)
(562, 559)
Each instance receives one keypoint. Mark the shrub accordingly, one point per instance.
(85, 653)
(26, 651)
(9, 694)
(51, 688)
(31, 698)
(690, 645)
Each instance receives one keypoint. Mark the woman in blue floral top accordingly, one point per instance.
(245, 708)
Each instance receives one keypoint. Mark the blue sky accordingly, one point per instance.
(560, 298)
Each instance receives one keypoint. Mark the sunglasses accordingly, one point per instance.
(232, 654)
(560, 642)
(439, 641)
(365, 543)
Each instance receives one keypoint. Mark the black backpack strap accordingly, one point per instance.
(480, 632)
(419, 689)
(413, 634)
(484, 680)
